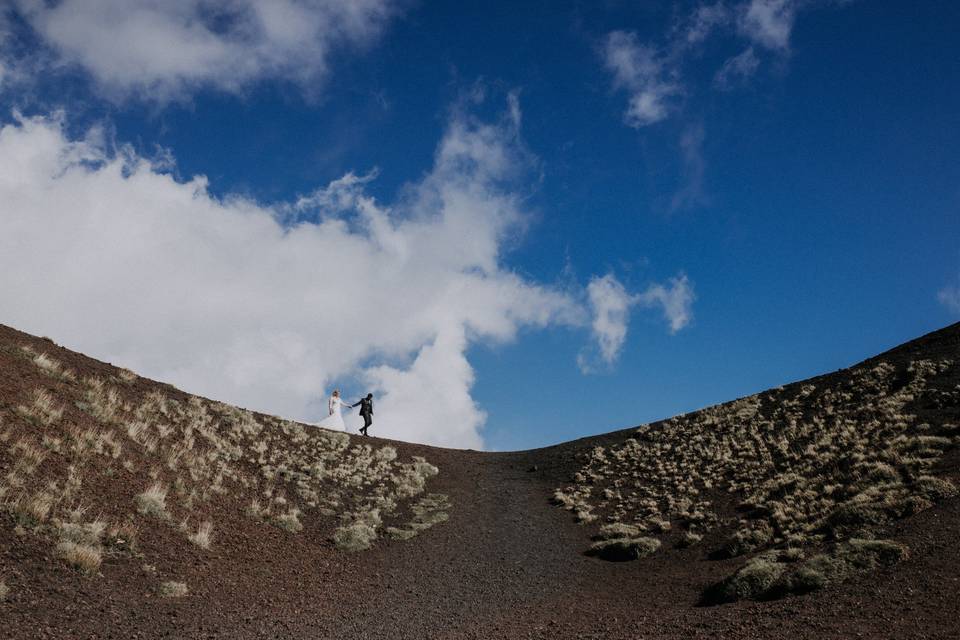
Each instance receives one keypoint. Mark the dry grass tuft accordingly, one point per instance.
(354, 537)
(289, 521)
(48, 365)
(428, 511)
(856, 556)
(618, 530)
(33, 509)
(399, 533)
(774, 574)
(412, 479)
(204, 535)
(122, 538)
(85, 557)
(153, 501)
(87, 534)
(102, 402)
(4, 591)
(42, 410)
(754, 581)
(80, 544)
(171, 589)
(624, 549)
(689, 539)
(934, 488)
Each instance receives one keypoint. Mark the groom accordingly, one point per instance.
(366, 412)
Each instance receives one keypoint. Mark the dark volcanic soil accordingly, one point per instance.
(507, 564)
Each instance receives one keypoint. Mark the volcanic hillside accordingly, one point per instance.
(826, 508)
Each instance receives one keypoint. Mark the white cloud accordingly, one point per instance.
(704, 20)
(611, 305)
(116, 259)
(639, 70)
(675, 300)
(653, 75)
(737, 69)
(768, 22)
(949, 297)
(164, 50)
(433, 394)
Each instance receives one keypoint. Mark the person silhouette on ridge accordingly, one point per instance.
(366, 412)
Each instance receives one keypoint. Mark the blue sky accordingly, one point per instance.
(799, 210)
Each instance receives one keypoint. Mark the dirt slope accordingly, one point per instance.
(507, 563)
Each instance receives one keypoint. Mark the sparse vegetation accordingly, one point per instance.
(774, 573)
(620, 549)
(153, 501)
(427, 512)
(80, 543)
(4, 591)
(289, 521)
(204, 535)
(619, 530)
(355, 536)
(122, 538)
(688, 539)
(42, 410)
(102, 401)
(753, 581)
(32, 509)
(188, 452)
(83, 557)
(812, 465)
(89, 533)
(854, 556)
(48, 365)
(171, 589)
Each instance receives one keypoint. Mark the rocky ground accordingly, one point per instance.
(507, 564)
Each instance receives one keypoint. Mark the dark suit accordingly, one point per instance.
(366, 412)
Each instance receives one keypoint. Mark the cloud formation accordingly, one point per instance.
(652, 74)
(164, 50)
(949, 297)
(642, 72)
(768, 22)
(703, 21)
(611, 304)
(269, 306)
(675, 300)
(737, 70)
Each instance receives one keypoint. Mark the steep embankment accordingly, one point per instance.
(507, 562)
(809, 475)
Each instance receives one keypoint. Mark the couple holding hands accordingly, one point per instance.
(335, 418)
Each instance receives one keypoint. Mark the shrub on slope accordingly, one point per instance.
(61, 440)
(809, 465)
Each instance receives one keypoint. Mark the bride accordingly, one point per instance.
(334, 421)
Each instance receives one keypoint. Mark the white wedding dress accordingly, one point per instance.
(334, 421)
